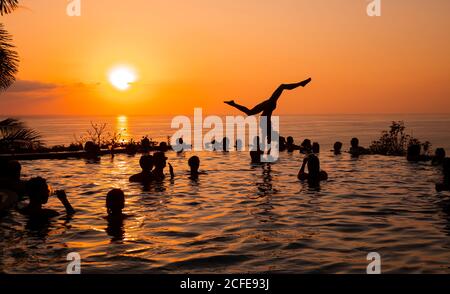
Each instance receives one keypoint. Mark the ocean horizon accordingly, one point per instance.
(324, 128)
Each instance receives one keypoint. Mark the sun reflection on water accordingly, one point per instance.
(122, 128)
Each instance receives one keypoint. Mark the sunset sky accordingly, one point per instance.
(198, 53)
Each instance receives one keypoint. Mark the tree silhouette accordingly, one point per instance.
(8, 56)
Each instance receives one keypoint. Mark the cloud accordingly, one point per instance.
(23, 86)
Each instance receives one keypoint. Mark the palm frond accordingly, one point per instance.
(6, 6)
(9, 60)
(15, 135)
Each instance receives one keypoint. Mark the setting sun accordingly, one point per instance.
(121, 77)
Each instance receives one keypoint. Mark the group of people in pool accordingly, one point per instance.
(13, 189)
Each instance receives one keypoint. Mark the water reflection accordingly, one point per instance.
(122, 128)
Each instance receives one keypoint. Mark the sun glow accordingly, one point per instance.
(122, 77)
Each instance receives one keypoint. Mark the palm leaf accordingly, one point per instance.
(6, 6)
(14, 134)
(9, 59)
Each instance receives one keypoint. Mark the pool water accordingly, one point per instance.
(238, 218)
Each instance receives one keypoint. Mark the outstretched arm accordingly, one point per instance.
(283, 87)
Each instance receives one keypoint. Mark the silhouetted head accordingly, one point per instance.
(115, 201)
(38, 190)
(163, 146)
(145, 143)
(12, 170)
(159, 160)
(146, 163)
(307, 144)
(446, 167)
(440, 153)
(290, 140)
(91, 147)
(225, 144)
(337, 147)
(313, 167)
(194, 163)
(354, 143)
(414, 152)
(180, 141)
(315, 147)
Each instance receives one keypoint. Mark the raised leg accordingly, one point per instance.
(283, 87)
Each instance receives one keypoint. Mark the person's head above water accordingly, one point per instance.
(440, 153)
(290, 140)
(194, 163)
(337, 147)
(159, 160)
(38, 190)
(14, 169)
(146, 163)
(413, 153)
(446, 167)
(315, 147)
(306, 143)
(313, 166)
(354, 142)
(115, 201)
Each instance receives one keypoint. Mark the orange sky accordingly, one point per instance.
(198, 53)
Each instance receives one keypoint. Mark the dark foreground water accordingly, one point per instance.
(239, 218)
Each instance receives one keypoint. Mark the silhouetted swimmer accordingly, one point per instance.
(38, 191)
(315, 174)
(115, 203)
(145, 176)
(256, 153)
(414, 154)
(315, 148)
(439, 156)
(160, 162)
(445, 185)
(337, 147)
(163, 147)
(306, 147)
(146, 144)
(92, 150)
(356, 150)
(267, 107)
(10, 184)
(10, 177)
(290, 145)
(225, 144)
(131, 148)
(194, 165)
(239, 146)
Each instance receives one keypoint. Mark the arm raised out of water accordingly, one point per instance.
(63, 198)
